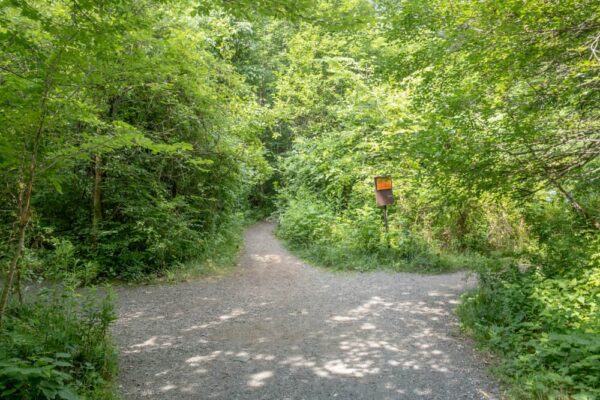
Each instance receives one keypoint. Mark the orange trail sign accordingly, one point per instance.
(383, 183)
(384, 196)
(383, 191)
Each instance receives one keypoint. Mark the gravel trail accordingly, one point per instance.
(279, 329)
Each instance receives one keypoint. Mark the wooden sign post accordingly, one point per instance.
(384, 196)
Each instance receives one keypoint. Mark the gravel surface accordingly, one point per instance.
(279, 329)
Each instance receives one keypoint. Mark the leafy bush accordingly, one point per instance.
(355, 240)
(57, 347)
(306, 220)
(546, 328)
(37, 378)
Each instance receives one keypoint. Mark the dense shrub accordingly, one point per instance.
(544, 318)
(306, 221)
(546, 328)
(355, 239)
(485, 114)
(155, 157)
(57, 347)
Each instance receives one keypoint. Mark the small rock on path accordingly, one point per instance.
(279, 329)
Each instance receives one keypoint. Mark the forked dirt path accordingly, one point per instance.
(279, 329)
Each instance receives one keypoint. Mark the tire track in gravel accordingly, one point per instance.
(279, 329)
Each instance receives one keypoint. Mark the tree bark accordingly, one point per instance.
(462, 225)
(17, 286)
(578, 207)
(24, 205)
(25, 192)
(551, 178)
(97, 197)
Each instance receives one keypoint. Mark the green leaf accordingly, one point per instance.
(67, 394)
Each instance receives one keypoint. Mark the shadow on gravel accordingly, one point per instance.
(348, 357)
(282, 330)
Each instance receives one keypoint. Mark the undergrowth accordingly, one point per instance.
(60, 260)
(357, 241)
(385, 259)
(57, 347)
(219, 258)
(543, 322)
(546, 329)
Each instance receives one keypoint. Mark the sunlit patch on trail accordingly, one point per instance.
(267, 258)
(258, 379)
(303, 339)
(236, 312)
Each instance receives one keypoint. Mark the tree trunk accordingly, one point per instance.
(24, 217)
(98, 175)
(462, 226)
(97, 197)
(24, 205)
(26, 191)
(17, 287)
(578, 207)
(11, 273)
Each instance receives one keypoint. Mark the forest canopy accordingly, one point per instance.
(137, 137)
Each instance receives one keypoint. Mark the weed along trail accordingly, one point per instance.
(279, 329)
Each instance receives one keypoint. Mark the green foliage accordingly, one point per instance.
(40, 378)
(486, 115)
(547, 330)
(151, 138)
(249, 9)
(56, 347)
(506, 93)
(348, 127)
(542, 317)
(356, 241)
(220, 253)
(306, 220)
(149, 128)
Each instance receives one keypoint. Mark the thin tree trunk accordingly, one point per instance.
(578, 207)
(17, 286)
(97, 197)
(569, 196)
(24, 207)
(461, 226)
(11, 274)
(13, 264)
(25, 193)
(98, 177)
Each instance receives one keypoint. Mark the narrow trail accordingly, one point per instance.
(279, 329)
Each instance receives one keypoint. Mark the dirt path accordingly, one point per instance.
(278, 329)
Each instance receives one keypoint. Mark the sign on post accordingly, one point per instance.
(383, 191)
(384, 196)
